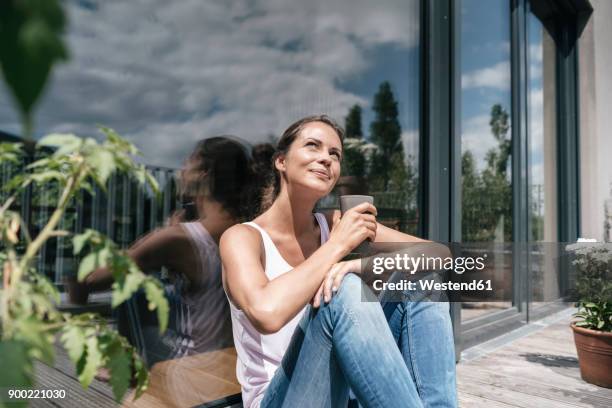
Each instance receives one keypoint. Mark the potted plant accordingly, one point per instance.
(593, 329)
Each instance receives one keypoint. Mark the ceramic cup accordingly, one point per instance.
(346, 203)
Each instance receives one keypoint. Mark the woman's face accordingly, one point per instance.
(313, 160)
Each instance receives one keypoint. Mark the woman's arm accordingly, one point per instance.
(388, 242)
(167, 247)
(270, 304)
(388, 237)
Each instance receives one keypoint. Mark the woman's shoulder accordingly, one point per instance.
(241, 235)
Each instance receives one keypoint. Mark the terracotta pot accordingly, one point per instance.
(594, 355)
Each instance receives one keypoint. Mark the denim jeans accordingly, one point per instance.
(398, 354)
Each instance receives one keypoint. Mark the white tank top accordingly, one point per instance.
(259, 355)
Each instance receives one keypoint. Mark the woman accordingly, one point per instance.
(295, 350)
(218, 187)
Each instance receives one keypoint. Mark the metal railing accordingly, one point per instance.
(124, 212)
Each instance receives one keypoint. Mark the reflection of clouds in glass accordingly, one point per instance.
(410, 142)
(536, 136)
(498, 49)
(496, 76)
(477, 138)
(536, 52)
(166, 74)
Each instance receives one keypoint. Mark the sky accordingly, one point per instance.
(166, 74)
(486, 78)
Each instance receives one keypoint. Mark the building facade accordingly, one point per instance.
(474, 121)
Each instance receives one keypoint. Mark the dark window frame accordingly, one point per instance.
(440, 147)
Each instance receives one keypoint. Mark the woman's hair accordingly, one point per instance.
(287, 139)
(221, 168)
(244, 183)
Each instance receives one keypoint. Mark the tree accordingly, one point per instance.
(487, 196)
(352, 123)
(353, 160)
(499, 127)
(385, 131)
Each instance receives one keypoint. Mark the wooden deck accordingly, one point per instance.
(204, 380)
(539, 369)
(535, 366)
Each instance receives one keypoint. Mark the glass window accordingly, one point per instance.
(486, 144)
(166, 75)
(542, 172)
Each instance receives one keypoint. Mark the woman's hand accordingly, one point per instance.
(333, 279)
(354, 227)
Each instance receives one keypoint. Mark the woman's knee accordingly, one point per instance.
(354, 290)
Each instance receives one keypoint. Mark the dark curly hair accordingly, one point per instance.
(224, 169)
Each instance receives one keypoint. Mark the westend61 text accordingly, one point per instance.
(432, 285)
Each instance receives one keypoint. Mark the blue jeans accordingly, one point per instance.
(397, 355)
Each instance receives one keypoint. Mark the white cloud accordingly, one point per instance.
(168, 73)
(496, 76)
(536, 52)
(410, 142)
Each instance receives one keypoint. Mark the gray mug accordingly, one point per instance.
(346, 203)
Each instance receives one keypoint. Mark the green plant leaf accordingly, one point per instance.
(157, 301)
(142, 375)
(102, 163)
(47, 176)
(65, 141)
(73, 339)
(93, 361)
(124, 288)
(92, 261)
(120, 365)
(17, 369)
(10, 152)
(46, 287)
(30, 44)
(32, 331)
(79, 240)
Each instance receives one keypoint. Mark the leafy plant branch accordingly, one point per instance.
(30, 319)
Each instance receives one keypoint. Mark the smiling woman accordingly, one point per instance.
(306, 328)
(166, 74)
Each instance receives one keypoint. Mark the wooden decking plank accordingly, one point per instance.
(540, 370)
(498, 394)
(472, 401)
(42, 403)
(51, 378)
(516, 366)
(537, 389)
(577, 387)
